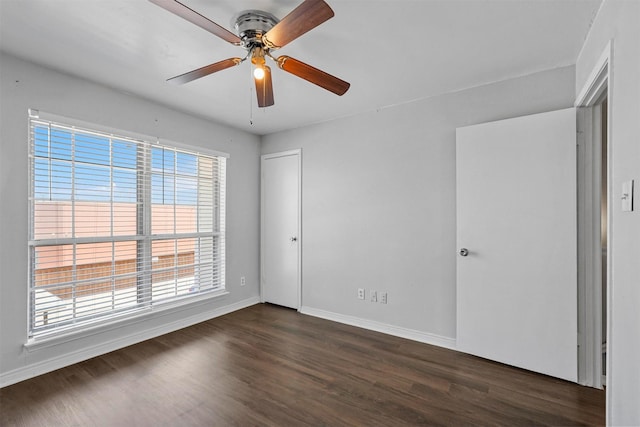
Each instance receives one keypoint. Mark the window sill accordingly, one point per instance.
(54, 339)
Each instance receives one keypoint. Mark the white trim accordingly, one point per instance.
(296, 152)
(596, 83)
(584, 137)
(300, 240)
(39, 368)
(610, 280)
(385, 328)
(599, 80)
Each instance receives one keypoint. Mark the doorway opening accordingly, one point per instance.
(594, 226)
(593, 242)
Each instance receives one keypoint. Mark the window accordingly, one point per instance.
(118, 226)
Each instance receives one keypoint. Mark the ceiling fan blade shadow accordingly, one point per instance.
(264, 89)
(194, 17)
(308, 15)
(313, 75)
(204, 71)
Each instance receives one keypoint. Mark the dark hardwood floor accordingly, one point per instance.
(267, 365)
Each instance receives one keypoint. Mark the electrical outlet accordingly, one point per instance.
(242, 281)
(360, 293)
(374, 296)
(383, 297)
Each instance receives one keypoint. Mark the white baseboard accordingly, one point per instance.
(39, 368)
(385, 328)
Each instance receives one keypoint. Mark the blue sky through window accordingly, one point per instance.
(174, 177)
(106, 169)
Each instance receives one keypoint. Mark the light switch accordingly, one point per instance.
(627, 196)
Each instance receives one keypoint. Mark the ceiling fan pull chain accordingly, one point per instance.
(251, 101)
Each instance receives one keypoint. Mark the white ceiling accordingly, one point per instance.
(391, 51)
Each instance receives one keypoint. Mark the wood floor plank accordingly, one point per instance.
(270, 366)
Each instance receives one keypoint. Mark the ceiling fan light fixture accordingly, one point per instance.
(258, 73)
(257, 59)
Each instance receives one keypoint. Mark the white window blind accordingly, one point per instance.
(118, 225)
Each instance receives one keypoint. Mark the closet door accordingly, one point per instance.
(280, 228)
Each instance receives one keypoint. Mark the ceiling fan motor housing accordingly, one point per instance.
(251, 25)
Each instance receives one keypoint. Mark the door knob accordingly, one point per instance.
(463, 252)
(294, 239)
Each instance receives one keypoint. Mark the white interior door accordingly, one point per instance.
(280, 245)
(516, 216)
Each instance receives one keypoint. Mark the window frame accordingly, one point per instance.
(144, 233)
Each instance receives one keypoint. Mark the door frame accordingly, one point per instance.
(265, 157)
(597, 86)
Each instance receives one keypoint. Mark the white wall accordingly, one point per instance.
(619, 21)
(23, 86)
(379, 203)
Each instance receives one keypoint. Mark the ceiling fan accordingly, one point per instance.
(260, 33)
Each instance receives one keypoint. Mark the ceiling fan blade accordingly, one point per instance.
(194, 17)
(313, 75)
(264, 89)
(204, 71)
(308, 15)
